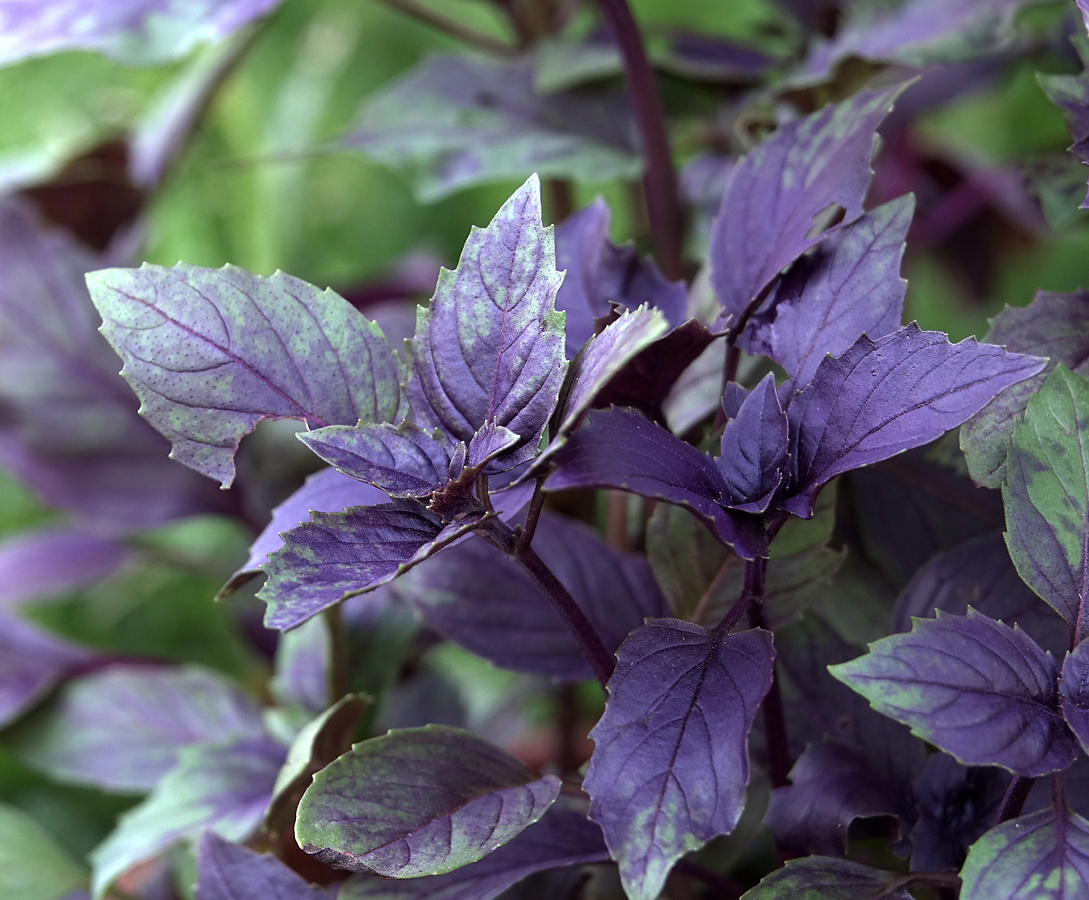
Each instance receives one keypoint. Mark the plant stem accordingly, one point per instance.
(775, 733)
(1016, 795)
(583, 631)
(938, 879)
(660, 180)
(533, 514)
(451, 27)
(338, 654)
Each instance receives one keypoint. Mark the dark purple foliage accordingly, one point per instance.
(753, 463)
(1074, 693)
(230, 872)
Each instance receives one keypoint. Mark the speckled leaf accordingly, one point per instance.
(1074, 693)
(775, 194)
(618, 449)
(1052, 325)
(402, 460)
(1047, 497)
(338, 555)
(456, 121)
(32, 865)
(490, 349)
(754, 450)
(1033, 857)
(223, 788)
(886, 396)
(671, 766)
(123, 728)
(135, 32)
(230, 872)
(32, 662)
(210, 352)
(825, 878)
(421, 801)
(849, 285)
(482, 600)
(978, 689)
(562, 837)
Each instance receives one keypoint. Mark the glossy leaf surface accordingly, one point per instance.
(421, 801)
(974, 687)
(210, 352)
(671, 768)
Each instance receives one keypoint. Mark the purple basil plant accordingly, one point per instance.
(823, 661)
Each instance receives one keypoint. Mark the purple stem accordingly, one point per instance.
(660, 180)
(1016, 795)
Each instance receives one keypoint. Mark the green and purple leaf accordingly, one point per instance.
(974, 687)
(886, 396)
(230, 872)
(562, 837)
(671, 766)
(776, 194)
(1034, 857)
(421, 801)
(490, 349)
(825, 878)
(1047, 497)
(210, 352)
(33, 865)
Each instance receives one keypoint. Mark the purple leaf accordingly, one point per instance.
(489, 350)
(324, 491)
(849, 285)
(42, 564)
(980, 574)
(1035, 857)
(477, 597)
(562, 837)
(302, 667)
(221, 787)
(1074, 693)
(1052, 325)
(123, 728)
(671, 767)
(823, 878)
(754, 450)
(339, 555)
(230, 872)
(70, 427)
(421, 801)
(136, 32)
(210, 352)
(1047, 497)
(456, 121)
(402, 460)
(974, 687)
(831, 786)
(886, 396)
(32, 662)
(775, 194)
(618, 449)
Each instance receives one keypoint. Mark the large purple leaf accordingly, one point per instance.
(831, 786)
(1074, 693)
(886, 396)
(1052, 325)
(849, 285)
(754, 450)
(489, 350)
(136, 32)
(1035, 857)
(562, 837)
(70, 428)
(123, 728)
(230, 872)
(224, 788)
(455, 121)
(671, 766)
(980, 574)
(42, 564)
(1047, 497)
(421, 801)
(618, 449)
(476, 596)
(776, 193)
(210, 352)
(32, 662)
(339, 555)
(825, 878)
(974, 687)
